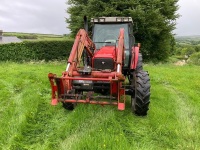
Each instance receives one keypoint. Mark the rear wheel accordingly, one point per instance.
(139, 64)
(141, 97)
(139, 67)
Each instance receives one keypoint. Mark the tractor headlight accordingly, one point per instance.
(119, 19)
(126, 20)
(96, 20)
(101, 20)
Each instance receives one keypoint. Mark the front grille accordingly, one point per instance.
(104, 63)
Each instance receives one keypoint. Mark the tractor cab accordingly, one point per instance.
(106, 32)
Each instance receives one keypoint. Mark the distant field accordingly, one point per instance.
(189, 38)
(28, 121)
(36, 36)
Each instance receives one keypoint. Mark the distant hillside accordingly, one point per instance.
(36, 36)
(188, 38)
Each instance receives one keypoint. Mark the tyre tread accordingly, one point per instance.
(142, 93)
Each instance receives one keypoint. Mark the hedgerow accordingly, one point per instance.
(36, 50)
(195, 59)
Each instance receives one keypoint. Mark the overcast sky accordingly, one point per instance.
(48, 16)
(33, 16)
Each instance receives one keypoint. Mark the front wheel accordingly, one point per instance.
(67, 105)
(141, 97)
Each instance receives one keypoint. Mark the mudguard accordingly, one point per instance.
(135, 55)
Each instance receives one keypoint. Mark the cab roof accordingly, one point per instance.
(112, 20)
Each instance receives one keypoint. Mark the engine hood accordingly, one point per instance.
(105, 58)
(106, 52)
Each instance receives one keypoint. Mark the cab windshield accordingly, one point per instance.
(109, 33)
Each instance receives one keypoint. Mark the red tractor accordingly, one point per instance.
(105, 69)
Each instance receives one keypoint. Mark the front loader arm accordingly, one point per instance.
(135, 55)
(69, 88)
(120, 52)
(82, 41)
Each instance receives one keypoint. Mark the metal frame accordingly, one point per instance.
(61, 86)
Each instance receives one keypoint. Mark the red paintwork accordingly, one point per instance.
(53, 86)
(97, 74)
(115, 79)
(106, 52)
(85, 42)
(135, 54)
(114, 88)
(54, 102)
(121, 106)
(90, 79)
(120, 52)
(90, 102)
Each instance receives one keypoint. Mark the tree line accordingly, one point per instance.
(155, 21)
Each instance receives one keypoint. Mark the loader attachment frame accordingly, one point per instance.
(62, 87)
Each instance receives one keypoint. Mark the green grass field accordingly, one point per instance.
(28, 121)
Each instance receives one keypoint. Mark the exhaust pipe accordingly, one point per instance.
(86, 23)
(84, 52)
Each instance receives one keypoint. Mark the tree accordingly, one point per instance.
(155, 20)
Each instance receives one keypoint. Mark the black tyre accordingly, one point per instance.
(141, 98)
(139, 66)
(69, 106)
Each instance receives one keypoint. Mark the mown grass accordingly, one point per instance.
(28, 121)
